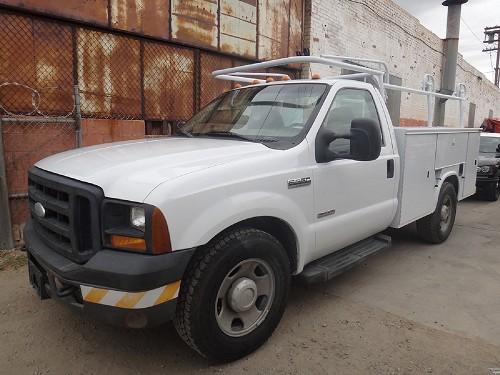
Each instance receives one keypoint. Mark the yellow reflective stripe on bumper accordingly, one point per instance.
(131, 300)
(171, 291)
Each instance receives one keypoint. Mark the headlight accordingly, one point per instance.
(134, 227)
(138, 218)
(485, 169)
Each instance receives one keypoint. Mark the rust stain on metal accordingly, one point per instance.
(273, 28)
(211, 87)
(36, 54)
(195, 21)
(108, 74)
(295, 25)
(238, 28)
(149, 17)
(95, 11)
(168, 81)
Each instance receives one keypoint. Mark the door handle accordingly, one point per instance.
(390, 168)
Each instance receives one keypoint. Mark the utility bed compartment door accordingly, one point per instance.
(470, 173)
(417, 183)
(451, 149)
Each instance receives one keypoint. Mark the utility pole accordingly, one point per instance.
(492, 39)
(450, 57)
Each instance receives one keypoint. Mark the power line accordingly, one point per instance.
(478, 39)
(470, 29)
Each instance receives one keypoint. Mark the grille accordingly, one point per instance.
(70, 220)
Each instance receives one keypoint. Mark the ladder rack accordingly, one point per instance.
(247, 74)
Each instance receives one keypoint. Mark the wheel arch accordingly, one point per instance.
(453, 179)
(276, 227)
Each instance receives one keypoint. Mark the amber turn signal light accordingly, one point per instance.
(160, 236)
(125, 242)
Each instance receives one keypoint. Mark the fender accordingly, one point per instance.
(211, 216)
(443, 175)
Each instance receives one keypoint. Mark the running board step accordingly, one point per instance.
(334, 264)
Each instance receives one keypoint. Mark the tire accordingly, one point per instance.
(205, 316)
(492, 192)
(436, 227)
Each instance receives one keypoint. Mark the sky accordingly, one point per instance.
(476, 15)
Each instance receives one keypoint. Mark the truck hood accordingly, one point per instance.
(131, 170)
(488, 159)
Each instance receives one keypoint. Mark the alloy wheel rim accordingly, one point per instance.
(245, 297)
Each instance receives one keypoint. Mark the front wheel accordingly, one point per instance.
(436, 227)
(234, 294)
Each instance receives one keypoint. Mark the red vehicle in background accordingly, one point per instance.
(491, 125)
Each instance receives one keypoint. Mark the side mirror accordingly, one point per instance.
(365, 139)
(365, 142)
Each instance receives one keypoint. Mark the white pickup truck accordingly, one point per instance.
(291, 177)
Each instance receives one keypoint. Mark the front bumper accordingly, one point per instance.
(482, 181)
(133, 290)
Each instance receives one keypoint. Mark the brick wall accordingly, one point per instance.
(380, 29)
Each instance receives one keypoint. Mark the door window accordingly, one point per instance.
(349, 104)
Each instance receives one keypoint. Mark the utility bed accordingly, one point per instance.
(428, 155)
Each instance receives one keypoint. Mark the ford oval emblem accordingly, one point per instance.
(39, 210)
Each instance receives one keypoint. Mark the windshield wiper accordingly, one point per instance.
(229, 135)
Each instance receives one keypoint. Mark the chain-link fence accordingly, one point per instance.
(25, 141)
(169, 75)
(119, 76)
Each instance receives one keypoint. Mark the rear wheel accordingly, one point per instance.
(234, 294)
(436, 227)
(492, 192)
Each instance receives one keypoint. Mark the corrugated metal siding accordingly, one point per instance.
(273, 29)
(195, 22)
(148, 17)
(109, 74)
(168, 82)
(94, 11)
(238, 29)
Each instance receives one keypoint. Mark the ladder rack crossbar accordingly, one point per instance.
(297, 60)
(246, 72)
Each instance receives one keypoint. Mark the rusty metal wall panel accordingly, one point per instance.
(295, 25)
(94, 11)
(168, 82)
(109, 75)
(210, 87)
(195, 22)
(149, 17)
(238, 27)
(36, 66)
(273, 29)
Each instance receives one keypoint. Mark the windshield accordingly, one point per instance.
(489, 145)
(274, 114)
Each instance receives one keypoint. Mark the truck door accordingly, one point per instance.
(353, 199)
